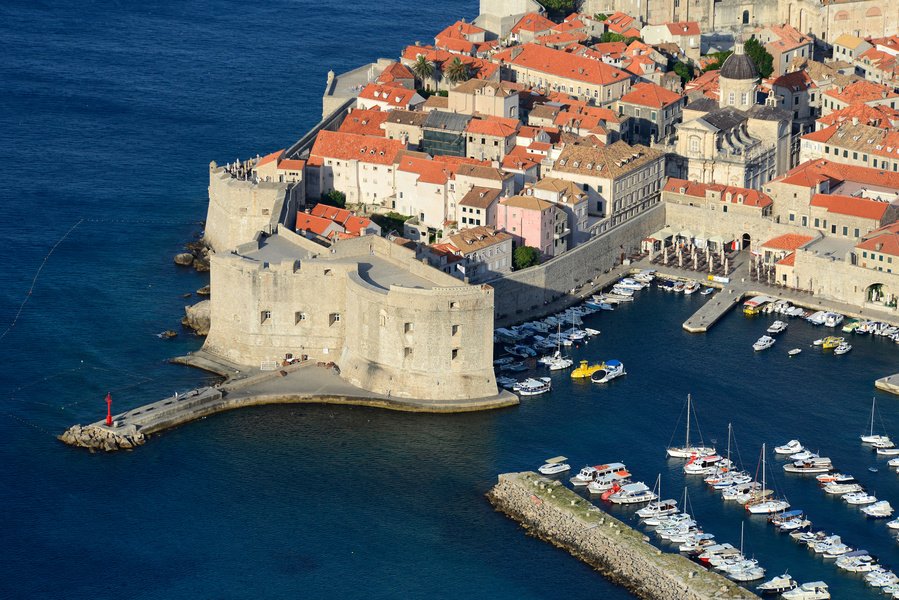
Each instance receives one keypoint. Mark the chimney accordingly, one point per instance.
(855, 120)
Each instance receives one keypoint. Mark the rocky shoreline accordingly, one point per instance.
(551, 512)
(97, 438)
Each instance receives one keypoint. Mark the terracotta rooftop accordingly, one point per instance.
(364, 121)
(811, 173)
(474, 239)
(480, 197)
(392, 94)
(789, 260)
(728, 193)
(885, 241)
(533, 22)
(493, 126)
(651, 95)
(683, 28)
(610, 162)
(861, 91)
(562, 64)
(527, 203)
(851, 205)
(788, 241)
(351, 146)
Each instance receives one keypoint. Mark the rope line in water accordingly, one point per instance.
(36, 275)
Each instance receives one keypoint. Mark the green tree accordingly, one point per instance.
(560, 8)
(764, 62)
(719, 58)
(424, 69)
(456, 71)
(524, 257)
(334, 198)
(601, 16)
(611, 36)
(684, 70)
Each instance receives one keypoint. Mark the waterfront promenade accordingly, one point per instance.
(301, 383)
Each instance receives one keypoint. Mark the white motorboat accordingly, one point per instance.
(857, 561)
(735, 492)
(871, 437)
(817, 318)
(791, 447)
(837, 550)
(893, 462)
(842, 348)
(777, 327)
(691, 287)
(613, 368)
(555, 465)
(631, 284)
(583, 477)
(591, 332)
(707, 291)
(881, 578)
(894, 524)
(826, 478)
(832, 319)
(622, 291)
(559, 363)
(763, 343)
(815, 590)
(812, 465)
(658, 508)
(803, 455)
(606, 482)
(633, 493)
(839, 489)
(859, 498)
(533, 387)
(777, 585)
(879, 510)
(887, 451)
(687, 450)
(703, 465)
(794, 351)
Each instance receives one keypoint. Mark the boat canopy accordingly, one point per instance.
(758, 301)
(556, 459)
(613, 363)
(634, 487)
(791, 513)
(856, 554)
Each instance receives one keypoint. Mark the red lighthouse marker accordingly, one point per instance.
(108, 409)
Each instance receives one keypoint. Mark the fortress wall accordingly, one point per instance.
(522, 294)
(403, 341)
(729, 225)
(840, 280)
(238, 209)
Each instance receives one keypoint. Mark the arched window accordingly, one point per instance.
(745, 17)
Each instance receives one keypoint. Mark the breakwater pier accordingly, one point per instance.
(552, 512)
(301, 383)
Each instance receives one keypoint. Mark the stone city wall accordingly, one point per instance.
(840, 280)
(730, 226)
(551, 512)
(522, 295)
(238, 209)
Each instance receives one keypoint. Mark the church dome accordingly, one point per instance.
(738, 66)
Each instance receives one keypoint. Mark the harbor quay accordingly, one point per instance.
(553, 513)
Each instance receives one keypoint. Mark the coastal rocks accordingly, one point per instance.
(204, 291)
(184, 259)
(197, 317)
(167, 334)
(197, 256)
(97, 438)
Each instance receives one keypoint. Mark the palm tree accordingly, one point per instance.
(423, 68)
(456, 71)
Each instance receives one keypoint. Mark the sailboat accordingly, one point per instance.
(765, 507)
(658, 508)
(745, 570)
(873, 438)
(688, 451)
(557, 362)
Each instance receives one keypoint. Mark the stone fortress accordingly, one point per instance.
(394, 325)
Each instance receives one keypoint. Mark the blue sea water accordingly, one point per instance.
(109, 115)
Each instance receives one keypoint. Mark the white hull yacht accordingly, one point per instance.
(687, 450)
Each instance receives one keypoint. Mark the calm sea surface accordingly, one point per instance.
(109, 115)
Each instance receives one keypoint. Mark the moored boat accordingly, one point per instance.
(791, 447)
(633, 493)
(611, 369)
(777, 585)
(585, 370)
(688, 450)
(554, 466)
(777, 327)
(763, 343)
(533, 387)
(815, 590)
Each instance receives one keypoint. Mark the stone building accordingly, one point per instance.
(485, 252)
(393, 325)
(534, 222)
(360, 166)
(654, 112)
(568, 196)
(484, 98)
(490, 139)
(717, 197)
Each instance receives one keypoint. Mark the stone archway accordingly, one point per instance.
(747, 240)
(880, 293)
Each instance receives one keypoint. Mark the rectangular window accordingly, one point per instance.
(455, 353)
(298, 316)
(408, 327)
(455, 329)
(817, 223)
(407, 351)
(792, 217)
(856, 232)
(334, 318)
(265, 316)
(845, 230)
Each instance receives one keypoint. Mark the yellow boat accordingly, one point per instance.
(586, 370)
(751, 310)
(831, 342)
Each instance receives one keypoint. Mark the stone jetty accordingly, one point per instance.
(553, 513)
(890, 384)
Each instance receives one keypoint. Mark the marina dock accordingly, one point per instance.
(301, 383)
(890, 384)
(553, 513)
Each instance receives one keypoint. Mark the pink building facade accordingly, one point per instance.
(533, 222)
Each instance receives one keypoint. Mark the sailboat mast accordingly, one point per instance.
(763, 469)
(687, 444)
(873, 403)
(728, 441)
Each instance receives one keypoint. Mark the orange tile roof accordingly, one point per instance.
(788, 38)
(351, 146)
(879, 115)
(698, 190)
(290, 164)
(454, 44)
(317, 225)
(365, 121)
(861, 91)
(478, 67)
(618, 22)
(269, 157)
(683, 28)
(707, 84)
(886, 242)
(429, 171)
(788, 241)
(567, 26)
(493, 126)
(533, 22)
(461, 29)
(650, 94)
(794, 81)
(393, 94)
(556, 39)
(521, 159)
(788, 261)
(394, 72)
(813, 172)
(851, 205)
(822, 135)
(562, 64)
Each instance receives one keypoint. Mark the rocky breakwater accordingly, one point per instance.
(197, 256)
(550, 511)
(196, 317)
(94, 437)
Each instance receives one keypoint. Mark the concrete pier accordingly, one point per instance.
(294, 384)
(713, 310)
(552, 512)
(890, 384)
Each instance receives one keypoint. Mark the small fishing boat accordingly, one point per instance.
(842, 349)
(859, 498)
(707, 291)
(777, 585)
(611, 369)
(879, 510)
(583, 477)
(633, 493)
(815, 590)
(777, 327)
(533, 387)
(832, 319)
(839, 489)
(691, 287)
(811, 465)
(831, 342)
(555, 465)
(825, 478)
(794, 351)
(791, 447)
(763, 343)
(816, 318)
